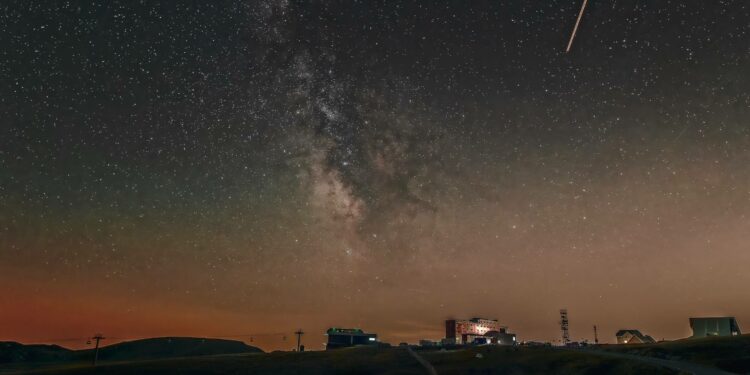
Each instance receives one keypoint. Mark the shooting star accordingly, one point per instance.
(575, 28)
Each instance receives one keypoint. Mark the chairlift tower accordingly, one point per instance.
(98, 337)
(299, 334)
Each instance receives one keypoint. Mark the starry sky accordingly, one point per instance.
(246, 168)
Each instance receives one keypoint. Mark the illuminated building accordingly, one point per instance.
(345, 337)
(632, 336)
(477, 331)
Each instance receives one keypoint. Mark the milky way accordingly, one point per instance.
(235, 167)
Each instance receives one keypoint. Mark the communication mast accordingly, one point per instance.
(596, 337)
(564, 326)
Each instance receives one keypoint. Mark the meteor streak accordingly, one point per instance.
(575, 28)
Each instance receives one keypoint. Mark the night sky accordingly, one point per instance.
(227, 168)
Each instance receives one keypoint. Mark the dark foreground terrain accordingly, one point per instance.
(712, 355)
(17, 357)
(731, 354)
(368, 361)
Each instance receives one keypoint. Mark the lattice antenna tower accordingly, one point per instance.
(564, 326)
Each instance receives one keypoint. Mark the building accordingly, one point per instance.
(448, 341)
(477, 331)
(429, 343)
(714, 326)
(345, 337)
(633, 336)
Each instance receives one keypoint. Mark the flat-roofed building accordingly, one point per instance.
(345, 337)
(714, 326)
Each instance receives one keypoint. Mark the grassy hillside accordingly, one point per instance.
(345, 361)
(167, 347)
(727, 353)
(389, 361)
(13, 352)
(15, 356)
(504, 360)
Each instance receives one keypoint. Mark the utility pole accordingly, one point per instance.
(299, 334)
(596, 337)
(98, 337)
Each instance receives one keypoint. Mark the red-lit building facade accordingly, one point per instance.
(477, 331)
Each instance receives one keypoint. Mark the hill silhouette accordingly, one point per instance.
(13, 352)
(168, 347)
(146, 349)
